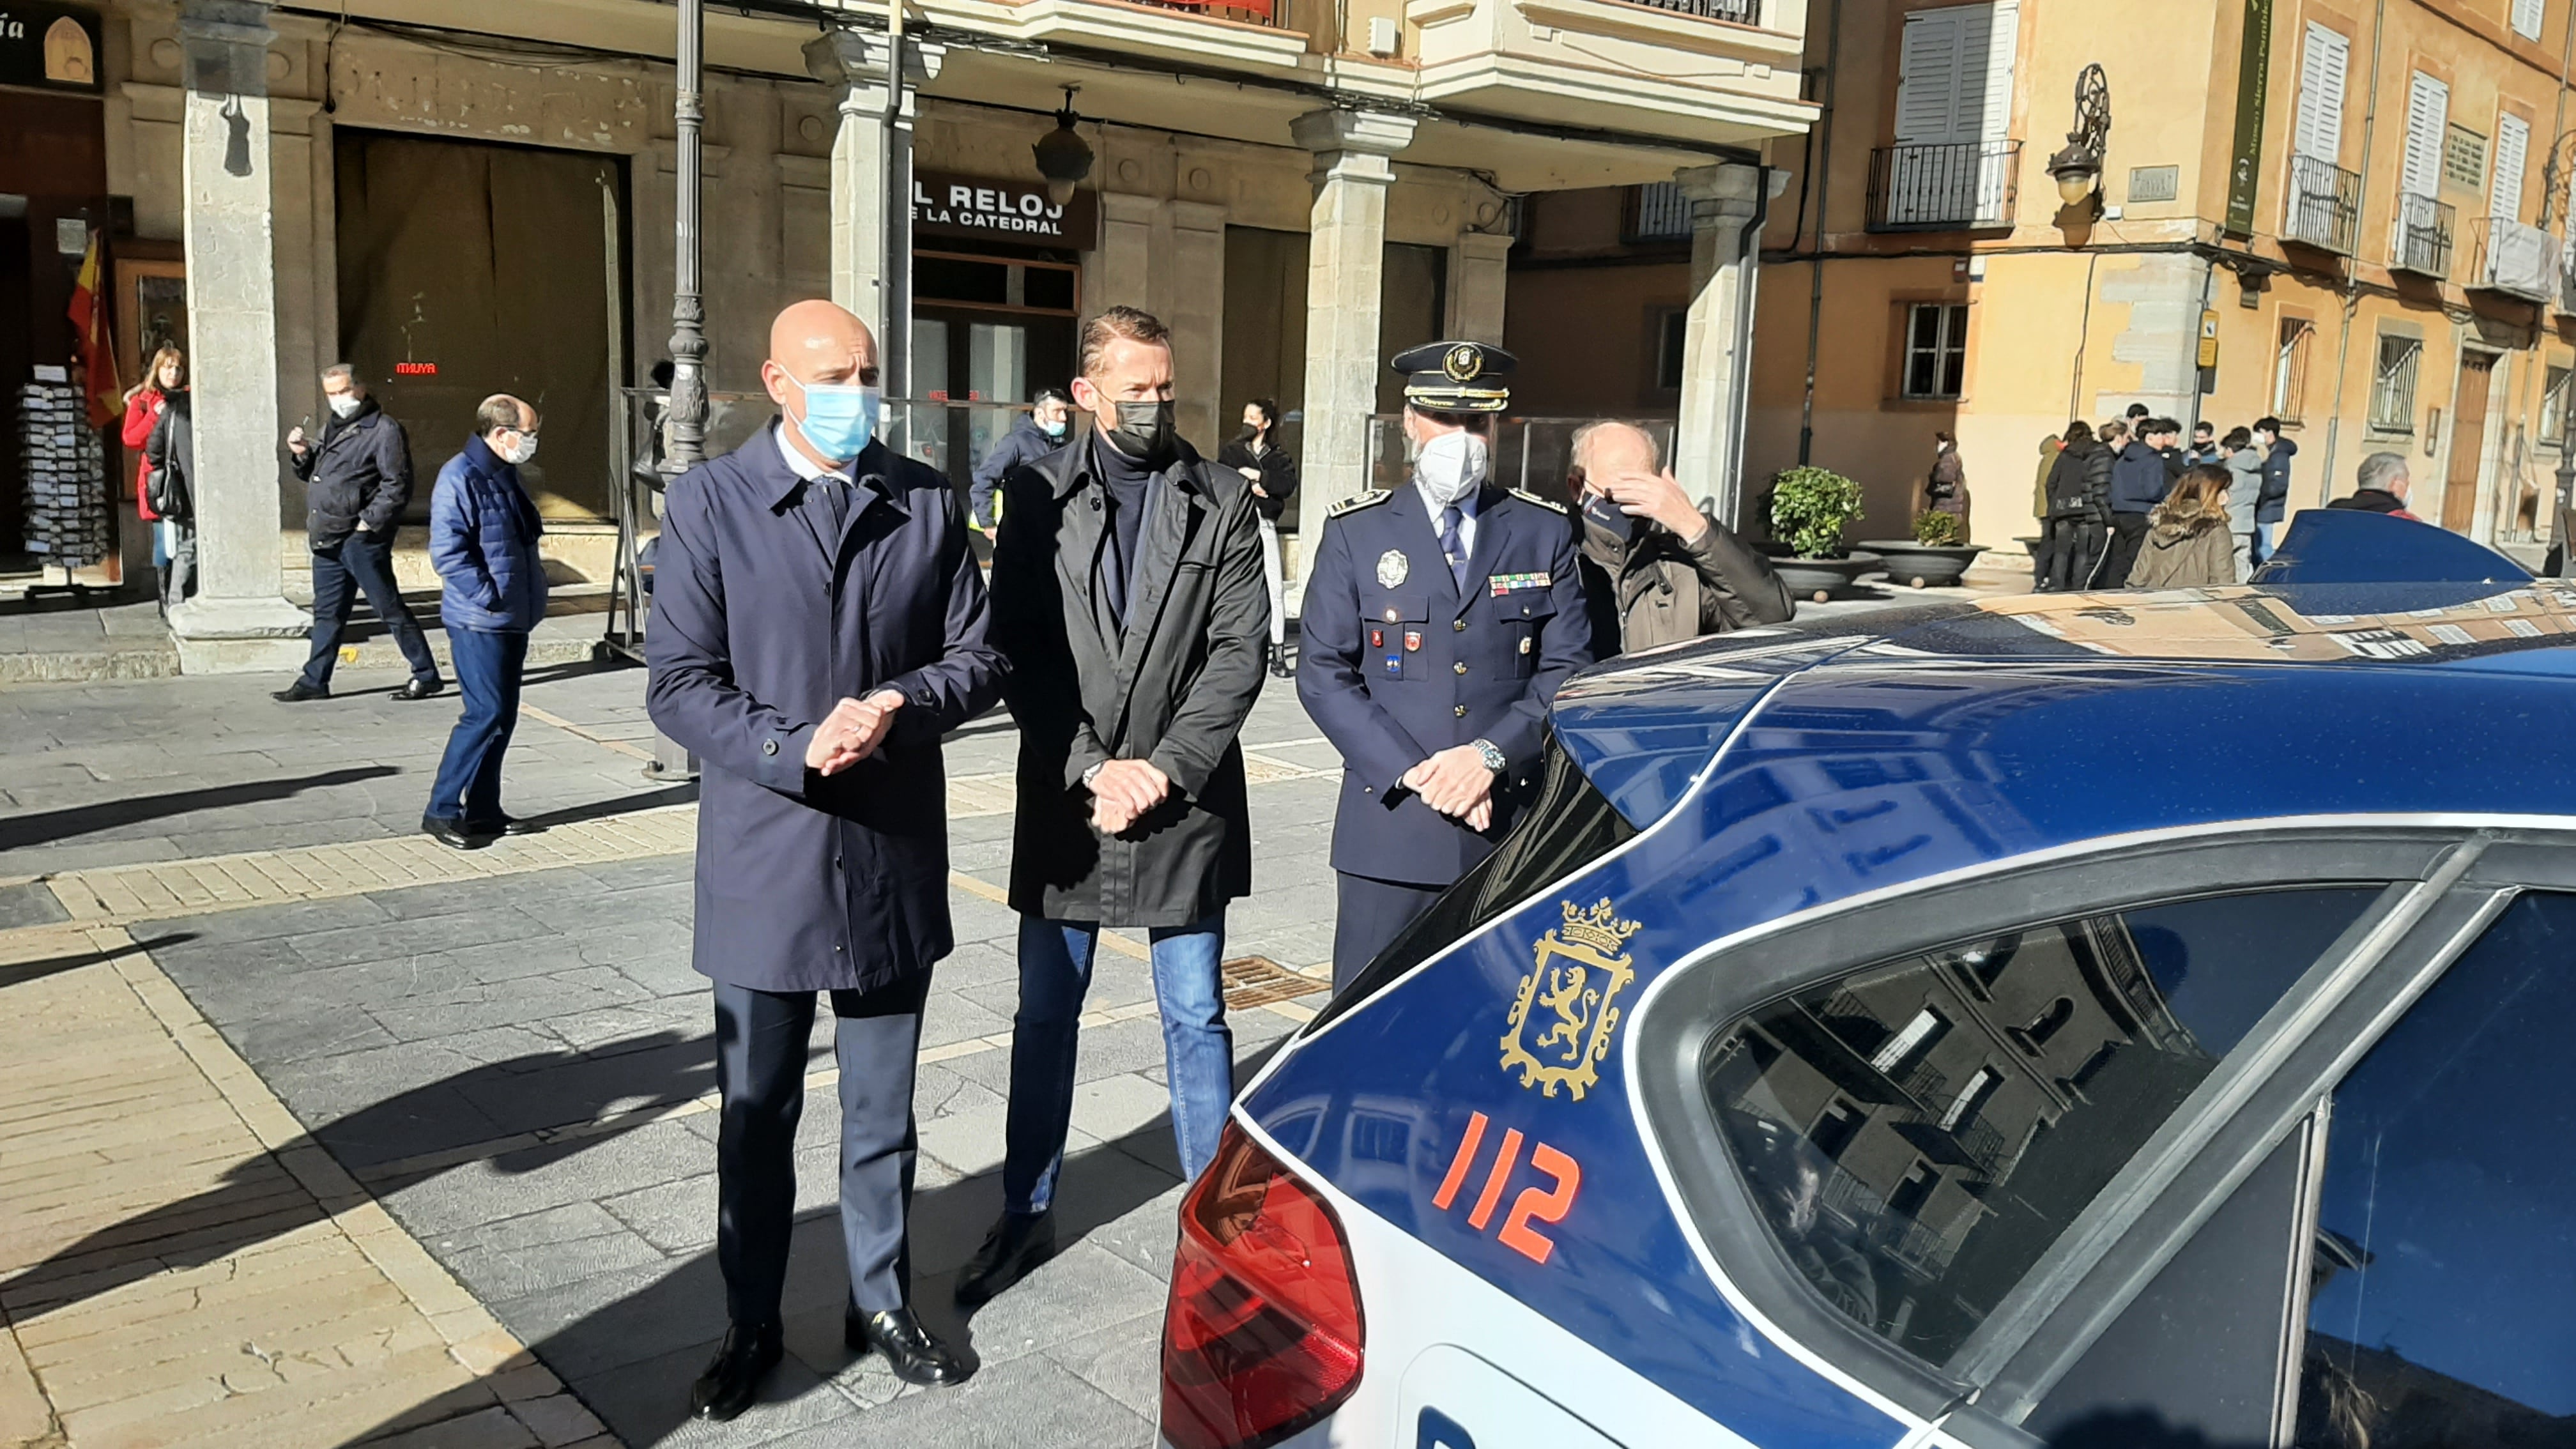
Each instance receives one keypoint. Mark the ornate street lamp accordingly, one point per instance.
(1063, 157)
(2078, 168)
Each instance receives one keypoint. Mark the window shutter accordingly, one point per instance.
(1927, 88)
(2003, 42)
(2526, 18)
(2504, 184)
(2322, 65)
(2428, 111)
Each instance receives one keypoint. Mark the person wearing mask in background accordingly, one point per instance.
(2190, 543)
(174, 541)
(2204, 446)
(2381, 486)
(2079, 492)
(483, 531)
(357, 481)
(2042, 551)
(1657, 570)
(1945, 487)
(819, 624)
(1256, 455)
(1440, 618)
(170, 463)
(2244, 463)
(1040, 431)
(2141, 476)
(1127, 599)
(2278, 452)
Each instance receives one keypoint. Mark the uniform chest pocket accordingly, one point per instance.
(1520, 615)
(1391, 634)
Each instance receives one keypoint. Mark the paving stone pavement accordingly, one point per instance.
(513, 1056)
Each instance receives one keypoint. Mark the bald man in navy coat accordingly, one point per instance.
(818, 624)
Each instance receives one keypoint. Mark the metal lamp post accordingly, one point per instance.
(688, 405)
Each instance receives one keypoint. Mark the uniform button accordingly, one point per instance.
(769, 747)
(1460, 666)
(1460, 711)
(837, 950)
(1458, 624)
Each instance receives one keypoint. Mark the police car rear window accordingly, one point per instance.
(1918, 1134)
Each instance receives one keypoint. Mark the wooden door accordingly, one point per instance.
(2468, 441)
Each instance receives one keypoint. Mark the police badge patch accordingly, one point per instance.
(1393, 568)
(1566, 1013)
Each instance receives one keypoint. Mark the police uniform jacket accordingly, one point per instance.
(761, 624)
(1395, 672)
(1172, 687)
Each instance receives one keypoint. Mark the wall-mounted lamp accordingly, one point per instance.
(2078, 168)
(1064, 158)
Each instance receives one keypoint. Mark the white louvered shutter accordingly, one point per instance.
(2526, 18)
(2428, 111)
(1927, 87)
(2323, 62)
(2504, 185)
(1995, 78)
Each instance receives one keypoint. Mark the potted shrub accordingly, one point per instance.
(1810, 508)
(1936, 558)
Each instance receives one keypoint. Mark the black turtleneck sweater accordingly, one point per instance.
(1125, 480)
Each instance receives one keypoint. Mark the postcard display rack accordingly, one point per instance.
(66, 471)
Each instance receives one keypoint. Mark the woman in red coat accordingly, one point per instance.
(144, 404)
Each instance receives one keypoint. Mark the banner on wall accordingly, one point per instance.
(2253, 89)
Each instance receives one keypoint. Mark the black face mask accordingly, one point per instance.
(1144, 432)
(1605, 515)
(1248, 433)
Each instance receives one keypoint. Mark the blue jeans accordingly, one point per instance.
(361, 563)
(488, 663)
(1198, 1047)
(2262, 543)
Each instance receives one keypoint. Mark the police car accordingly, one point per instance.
(2078, 1020)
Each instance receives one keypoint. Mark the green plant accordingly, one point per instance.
(1937, 530)
(1810, 507)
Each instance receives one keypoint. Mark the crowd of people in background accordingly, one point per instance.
(2127, 503)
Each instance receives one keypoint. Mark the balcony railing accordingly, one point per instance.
(1742, 12)
(1950, 187)
(2323, 208)
(1248, 12)
(2517, 260)
(2421, 240)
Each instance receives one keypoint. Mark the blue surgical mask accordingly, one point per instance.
(1054, 429)
(839, 418)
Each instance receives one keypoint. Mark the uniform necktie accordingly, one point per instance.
(1453, 544)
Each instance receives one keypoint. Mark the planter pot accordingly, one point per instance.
(1927, 565)
(1826, 578)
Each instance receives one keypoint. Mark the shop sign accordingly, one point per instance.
(52, 47)
(996, 210)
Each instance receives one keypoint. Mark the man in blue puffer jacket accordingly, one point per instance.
(483, 531)
(2141, 476)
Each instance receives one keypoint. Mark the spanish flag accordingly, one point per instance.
(98, 355)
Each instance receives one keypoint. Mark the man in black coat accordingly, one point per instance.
(357, 481)
(818, 624)
(1127, 598)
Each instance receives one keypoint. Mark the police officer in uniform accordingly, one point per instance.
(1440, 619)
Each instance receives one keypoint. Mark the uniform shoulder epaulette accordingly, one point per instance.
(1549, 504)
(1358, 501)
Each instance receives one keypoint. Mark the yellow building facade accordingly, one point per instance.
(2347, 214)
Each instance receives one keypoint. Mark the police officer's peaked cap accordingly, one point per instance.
(1456, 377)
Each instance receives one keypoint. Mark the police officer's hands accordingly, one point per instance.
(1456, 783)
(851, 732)
(1658, 496)
(1123, 791)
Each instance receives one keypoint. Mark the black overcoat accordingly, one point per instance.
(1173, 689)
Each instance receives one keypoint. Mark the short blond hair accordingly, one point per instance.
(1131, 323)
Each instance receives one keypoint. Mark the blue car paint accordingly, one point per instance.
(1876, 767)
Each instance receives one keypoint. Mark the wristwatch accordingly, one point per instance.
(1491, 754)
(1093, 773)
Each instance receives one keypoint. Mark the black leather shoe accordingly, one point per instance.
(732, 1378)
(298, 692)
(1279, 664)
(1017, 1244)
(420, 688)
(452, 833)
(912, 1351)
(503, 825)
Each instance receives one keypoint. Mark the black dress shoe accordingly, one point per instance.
(1279, 665)
(298, 692)
(453, 834)
(503, 825)
(1017, 1244)
(732, 1378)
(915, 1355)
(420, 688)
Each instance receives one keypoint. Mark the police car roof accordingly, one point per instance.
(2378, 665)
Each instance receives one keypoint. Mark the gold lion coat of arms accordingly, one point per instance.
(1566, 1011)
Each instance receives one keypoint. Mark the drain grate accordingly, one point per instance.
(1257, 981)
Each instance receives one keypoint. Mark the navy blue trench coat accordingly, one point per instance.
(761, 624)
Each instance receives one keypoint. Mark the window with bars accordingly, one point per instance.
(1658, 212)
(1672, 348)
(2392, 386)
(2290, 369)
(2553, 407)
(1936, 349)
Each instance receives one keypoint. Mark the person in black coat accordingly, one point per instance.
(818, 624)
(2079, 508)
(357, 481)
(1127, 599)
(170, 463)
(1256, 455)
(1040, 431)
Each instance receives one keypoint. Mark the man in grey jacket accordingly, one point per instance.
(1657, 570)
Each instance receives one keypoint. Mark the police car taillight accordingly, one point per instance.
(1263, 1334)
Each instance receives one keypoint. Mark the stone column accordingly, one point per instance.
(1345, 269)
(1192, 304)
(1479, 273)
(872, 241)
(1708, 446)
(240, 618)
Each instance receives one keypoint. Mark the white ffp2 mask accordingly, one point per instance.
(1450, 467)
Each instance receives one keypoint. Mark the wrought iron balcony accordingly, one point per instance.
(1956, 186)
(2421, 240)
(2323, 207)
(1741, 12)
(2517, 260)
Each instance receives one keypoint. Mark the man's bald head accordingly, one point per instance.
(819, 341)
(1607, 450)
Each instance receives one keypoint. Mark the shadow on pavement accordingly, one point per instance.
(18, 973)
(45, 826)
(624, 804)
